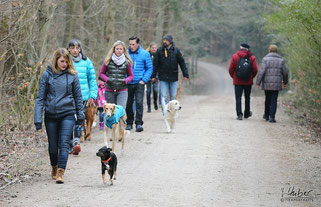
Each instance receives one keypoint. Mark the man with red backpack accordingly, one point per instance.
(243, 69)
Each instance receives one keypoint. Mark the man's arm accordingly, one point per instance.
(148, 68)
(182, 64)
(232, 67)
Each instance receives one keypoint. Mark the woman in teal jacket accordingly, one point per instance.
(87, 79)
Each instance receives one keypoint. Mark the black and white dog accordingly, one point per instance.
(108, 162)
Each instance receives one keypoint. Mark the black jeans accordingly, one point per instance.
(151, 85)
(271, 102)
(238, 97)
(135, 91)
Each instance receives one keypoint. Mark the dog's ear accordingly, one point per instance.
(170, 105)
(105, 106)
(114, 108)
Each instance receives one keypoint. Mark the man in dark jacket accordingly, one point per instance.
(273, 75)
(166, 61)
(240, 84)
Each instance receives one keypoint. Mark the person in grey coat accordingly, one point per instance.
(273, 75)
(59, 95)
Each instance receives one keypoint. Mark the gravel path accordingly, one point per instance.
(211, 160)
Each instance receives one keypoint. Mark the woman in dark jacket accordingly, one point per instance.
(116, 72)
(60, 96)
(152, 48)
(274, 76)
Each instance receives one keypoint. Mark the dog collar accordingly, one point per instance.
(105, 161)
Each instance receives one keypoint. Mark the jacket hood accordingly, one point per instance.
(243, 53)
(273, 54)
(171, 48)
(49, 70)
(137, 51)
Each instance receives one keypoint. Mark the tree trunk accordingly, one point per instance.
(4, 32)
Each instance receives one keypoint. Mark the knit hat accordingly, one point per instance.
(169, 38)
(245, 45)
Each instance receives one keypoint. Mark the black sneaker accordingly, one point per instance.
(272, 120)
(239, 117)
(248, 115)
(156, 107)
(149, 109)
(266, 117)
(129, 127)
(139, 128)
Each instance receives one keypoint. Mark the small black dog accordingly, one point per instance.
(108, 162)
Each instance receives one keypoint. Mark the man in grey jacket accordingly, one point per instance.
(274, 76)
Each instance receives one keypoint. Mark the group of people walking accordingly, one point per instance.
(69, 85)
(273, 76)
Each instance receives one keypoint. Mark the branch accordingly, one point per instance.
(6, 185)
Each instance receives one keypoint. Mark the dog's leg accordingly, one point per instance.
(167, 125)
(172, 125)
(83, 132)
(111, 177)
(115, 175)
(114, 136)
(121, 131)
(103, 175)
(89, 126)
(106, 136)
(111, 174)
(115, 170)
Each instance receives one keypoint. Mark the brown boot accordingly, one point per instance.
(54, 171)
(60, 175)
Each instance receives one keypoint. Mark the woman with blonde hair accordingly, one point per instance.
(273, 75)
(59, 95)
(116, 72)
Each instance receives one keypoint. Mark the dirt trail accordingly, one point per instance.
(211, 160)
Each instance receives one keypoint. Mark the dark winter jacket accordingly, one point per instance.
(166, 63)
(115, 76)
(152, 55)
(60, 95)
(272, 72)
(233, 65)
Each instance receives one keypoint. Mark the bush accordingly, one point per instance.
(296, 26)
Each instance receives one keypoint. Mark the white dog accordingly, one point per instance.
(170, 113)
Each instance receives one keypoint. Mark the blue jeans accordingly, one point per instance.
(135, 91)
(59, 132)
(271, 102)
(168, 87)
(151, 85)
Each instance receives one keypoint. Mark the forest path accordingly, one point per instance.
(212, 160)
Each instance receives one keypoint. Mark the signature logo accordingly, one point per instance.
(293, 193)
